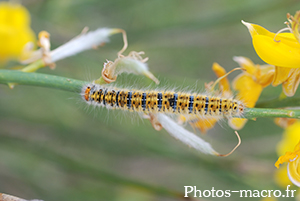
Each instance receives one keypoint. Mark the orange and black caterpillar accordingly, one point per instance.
(161, 101)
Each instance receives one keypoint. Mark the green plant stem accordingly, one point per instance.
(100, 81)
(34, 66)
(251, 113)
(72, 85)
(42, 80)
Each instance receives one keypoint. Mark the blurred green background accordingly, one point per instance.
(53, 147)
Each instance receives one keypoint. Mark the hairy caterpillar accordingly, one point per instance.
(168, 102)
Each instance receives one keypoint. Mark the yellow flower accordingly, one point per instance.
(224, 85)
(199, 123)
(249, 85)
(290, 139)
(281, 50)
(281, 177)
(289, 78)
(15, 30)
(284, 122)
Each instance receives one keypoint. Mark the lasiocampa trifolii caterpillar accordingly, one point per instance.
(156, 103)
(168, 102)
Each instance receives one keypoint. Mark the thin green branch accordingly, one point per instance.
(38, 79)
(251, 113)
(34, 66)
(72, 85)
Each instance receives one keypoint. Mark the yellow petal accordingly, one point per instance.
(288, 39)
(294, 171)
(255, 29)
(284, 122)
(290, 86)
(263, 74)
(203, 124)
(282, 50)
(281, 75)
(237, 123)
(266, 75)
(14, 30)
(224, 83)
(287, 157)
(290, 139)
(277, 53)
(247, 64)
(281, 176)
(248, 90)
(181, 119)
(14, 15)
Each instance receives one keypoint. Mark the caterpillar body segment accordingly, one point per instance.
(162, 101)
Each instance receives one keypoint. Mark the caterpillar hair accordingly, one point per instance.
(169, 102)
